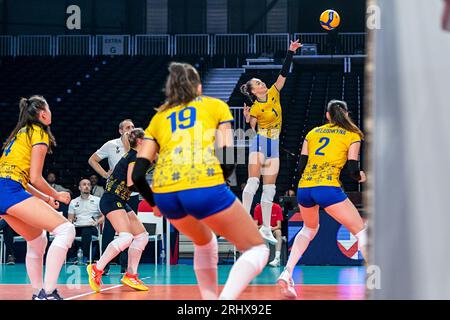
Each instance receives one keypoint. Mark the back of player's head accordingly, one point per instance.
(182, 85)
(338, 113)
(135, 134)
(335, 104)
(29, 110)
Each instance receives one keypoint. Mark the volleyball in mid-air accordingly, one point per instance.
(330, 20)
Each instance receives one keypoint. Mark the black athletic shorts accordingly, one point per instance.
(110, 202)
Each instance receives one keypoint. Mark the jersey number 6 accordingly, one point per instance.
(325, 142)
(186, 118)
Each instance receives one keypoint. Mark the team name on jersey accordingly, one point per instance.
(332, 131)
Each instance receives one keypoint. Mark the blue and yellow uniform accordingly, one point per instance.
(117, 192)
(188, 178)
(15, 164)
(328, 147)
(268, 115)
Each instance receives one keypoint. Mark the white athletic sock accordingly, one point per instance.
(245, 269)
(205, 267)
(266, 208)
(301, 243)
(110, 253)
(249, 192)
(53, 264)
(247, 200)
(64, 236)
(114, 248)
(268, 194)
(34, 270)
(34, 261)
(135, 252)
(362, 242)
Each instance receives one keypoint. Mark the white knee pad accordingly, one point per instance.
(206, 256)
(140, 241)
(362, 238)
(256, 256)
(64, 235)
(36, 247)
(123, 241)
(309, 233)
(252, 185)
(268, 193)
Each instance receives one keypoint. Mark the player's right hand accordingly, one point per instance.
(63, 197)
(108, 174)
(295, 45)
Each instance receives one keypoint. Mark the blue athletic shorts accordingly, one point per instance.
(11, 193)
(110, 202)
(323, 196)
(268, 147)
(199, 203)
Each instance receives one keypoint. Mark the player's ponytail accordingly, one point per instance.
(246, 90)
(339, 116)
(29, 115)
(181, 85)
(135, 134)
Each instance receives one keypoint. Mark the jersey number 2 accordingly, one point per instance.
(325, 142)
(186, 118)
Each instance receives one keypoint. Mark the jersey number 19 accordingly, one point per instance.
(183, 119)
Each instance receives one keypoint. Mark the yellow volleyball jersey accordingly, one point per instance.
(268, 114)
(327, 153)
(186, 135)
(16, 158)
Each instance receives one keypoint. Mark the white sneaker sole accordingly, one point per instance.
(271, 240)
(285, 289)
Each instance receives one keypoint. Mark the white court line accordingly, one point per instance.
(101, 290)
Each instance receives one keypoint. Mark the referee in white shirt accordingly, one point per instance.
(84, 213)
(113, 150)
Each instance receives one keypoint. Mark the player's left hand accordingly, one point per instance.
(295, 45)
(363, 177)
(53, 203)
